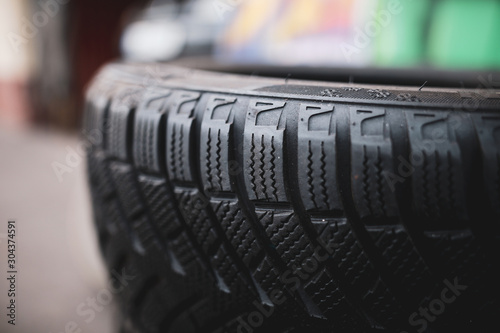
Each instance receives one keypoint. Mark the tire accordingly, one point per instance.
(244, 204)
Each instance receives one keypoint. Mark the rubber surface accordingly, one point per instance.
(246, 204)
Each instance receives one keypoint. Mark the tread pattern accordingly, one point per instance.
(317, 181)
(439, 186)
(262, 150)
(353, 213)
(371, 157)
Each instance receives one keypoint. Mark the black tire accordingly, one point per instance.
(248, 204)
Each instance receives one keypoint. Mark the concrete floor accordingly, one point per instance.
(59, 266)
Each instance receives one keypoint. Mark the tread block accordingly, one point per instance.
(332, 303)
(268, 276)
(214, 143)
(225, 212)
(371, 159)
(160, 206)
(402, 258)
(149, 122)
(316, 158)
(242, 238)
(287, 235)
(102, 186)
(147, 143)
(124, 180)
(354, 264)
(185, 253)
(294, 248)
(120, 118)
(438, 177)
(95, 117)
(263, 150)
(163, 217)
(180, 121)
(194, 208)
(237, 230)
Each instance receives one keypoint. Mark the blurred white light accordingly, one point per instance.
(153, 41)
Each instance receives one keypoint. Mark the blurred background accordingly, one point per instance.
(51, 49)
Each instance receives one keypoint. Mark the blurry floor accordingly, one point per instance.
(59, 266)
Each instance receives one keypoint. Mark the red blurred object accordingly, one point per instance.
(96, 27)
